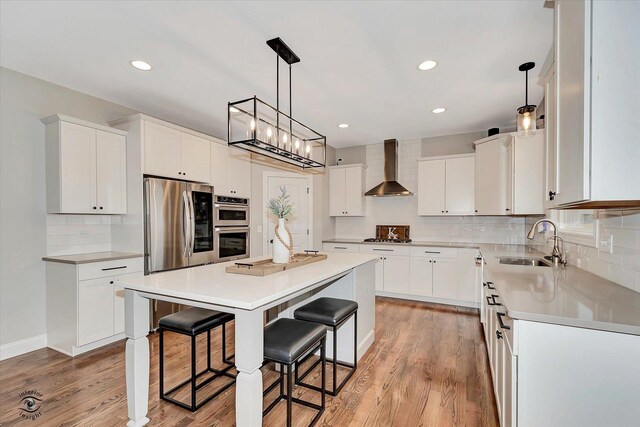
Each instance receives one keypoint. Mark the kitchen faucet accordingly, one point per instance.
(557, 254)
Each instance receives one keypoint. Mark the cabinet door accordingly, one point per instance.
(380, 274)
(573, 58)
(196, 158)
(95, 309)
(354, 196)
(528, 175)
(467, 281)
(491, 177)
(77, 169)
(240, 173)
(550, 148)
(499, 371)
(220, 169)
(431, 187)
(337, 192)
(111, 172)
(162, 151)
(396, 274)
(445, 278)
(421, 278)
(509, 401)
(459, 186)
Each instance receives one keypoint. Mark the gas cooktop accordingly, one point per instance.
(387, 240)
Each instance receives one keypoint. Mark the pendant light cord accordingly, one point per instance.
(526, 87)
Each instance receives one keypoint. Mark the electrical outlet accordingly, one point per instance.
(605, 243)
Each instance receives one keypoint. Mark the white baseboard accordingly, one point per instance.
(26, 345)
(366, 343)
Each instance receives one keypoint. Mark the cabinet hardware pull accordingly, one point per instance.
(492, 301)
(434, 261)
(111, 282)
(335, 247)
(489, 286)
(383, 250)
(499, 335)
(500, 322)
(431, 252)
(95, 207)
(114, 268)
(101, 207)
(552, 195)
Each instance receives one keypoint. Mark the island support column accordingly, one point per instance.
(137, 357)
(249, 356)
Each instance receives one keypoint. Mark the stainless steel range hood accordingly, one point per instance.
(390, 186)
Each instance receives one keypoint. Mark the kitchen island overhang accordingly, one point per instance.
(348, 276)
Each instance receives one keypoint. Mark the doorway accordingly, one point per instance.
(299, 188)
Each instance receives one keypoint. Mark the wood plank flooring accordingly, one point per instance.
(427, 367)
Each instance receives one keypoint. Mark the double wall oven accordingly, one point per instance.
(231, 235)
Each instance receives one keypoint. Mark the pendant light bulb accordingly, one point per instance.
(253, 124)
(284, 138)
(307, 149)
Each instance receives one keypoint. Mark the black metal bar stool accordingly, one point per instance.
(193, 322)
(285, 341)
(332, 312)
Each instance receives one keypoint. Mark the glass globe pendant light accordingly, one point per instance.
(526, 119)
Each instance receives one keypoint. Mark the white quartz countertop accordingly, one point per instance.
(564, 296)
(464, 245)
(212, 284)
(91, 257)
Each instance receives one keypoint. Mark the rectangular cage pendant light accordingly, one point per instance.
(260, 128)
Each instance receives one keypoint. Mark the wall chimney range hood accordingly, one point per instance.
(390, 186)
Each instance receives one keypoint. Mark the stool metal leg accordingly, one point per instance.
(209, 349)
(161, 363)
(289, 394)
(193, 373)
(335, 360)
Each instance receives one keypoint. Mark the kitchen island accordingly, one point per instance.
(349, 276)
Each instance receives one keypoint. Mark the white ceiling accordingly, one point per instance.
(359, 59)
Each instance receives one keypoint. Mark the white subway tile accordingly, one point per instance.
(631, 219)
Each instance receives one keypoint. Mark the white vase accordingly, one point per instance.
(280, 251)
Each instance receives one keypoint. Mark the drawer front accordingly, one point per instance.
(433, 252)
(117, 267)
(341, 247)
(385, 250)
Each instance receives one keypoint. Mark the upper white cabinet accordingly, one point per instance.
(446, 185)
(597, 152)
(492, 160)
(86, 167)
(346, 190)
(230, 171)
(172, 153)
(509, 174)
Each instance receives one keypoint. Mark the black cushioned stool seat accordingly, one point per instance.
(332, 312)
(328, 311)
(285, 342)
(193, 322)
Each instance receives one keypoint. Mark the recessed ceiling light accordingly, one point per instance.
(343, 125)
(141, 65)
(427, 65)
(234, 110)
(438, 110)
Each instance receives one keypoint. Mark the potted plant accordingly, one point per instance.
(282, 208)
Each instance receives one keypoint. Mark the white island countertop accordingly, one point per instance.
(212, 284)
(564, 295)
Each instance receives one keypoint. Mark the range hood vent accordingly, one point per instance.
(390, 186)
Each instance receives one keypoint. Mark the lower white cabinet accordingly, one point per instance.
(85, 304)
(444, 275)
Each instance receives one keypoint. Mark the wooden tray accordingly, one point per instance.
(267, 267)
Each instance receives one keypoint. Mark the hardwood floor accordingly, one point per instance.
(427, 367)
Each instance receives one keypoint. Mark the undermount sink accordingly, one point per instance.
(531, 262)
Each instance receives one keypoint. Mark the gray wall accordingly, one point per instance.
(24, 101)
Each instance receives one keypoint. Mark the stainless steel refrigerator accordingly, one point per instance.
(179, 230)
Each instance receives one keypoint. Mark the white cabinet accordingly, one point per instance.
(446, 185)
(172, 153)
(526, 183)
(85, 303)
(421, 273)
(548, 80)
(230, 171)
(85, 167)
(396, 274)
(491, 170)
(509, 174)
(346, 190)
(597, 153)
(341, 247)
(445, 278)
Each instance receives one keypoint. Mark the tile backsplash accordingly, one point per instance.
(403, 210)
(73, 234)
(622, 263)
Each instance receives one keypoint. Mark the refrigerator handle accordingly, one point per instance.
(192, 214)
(186, 221)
